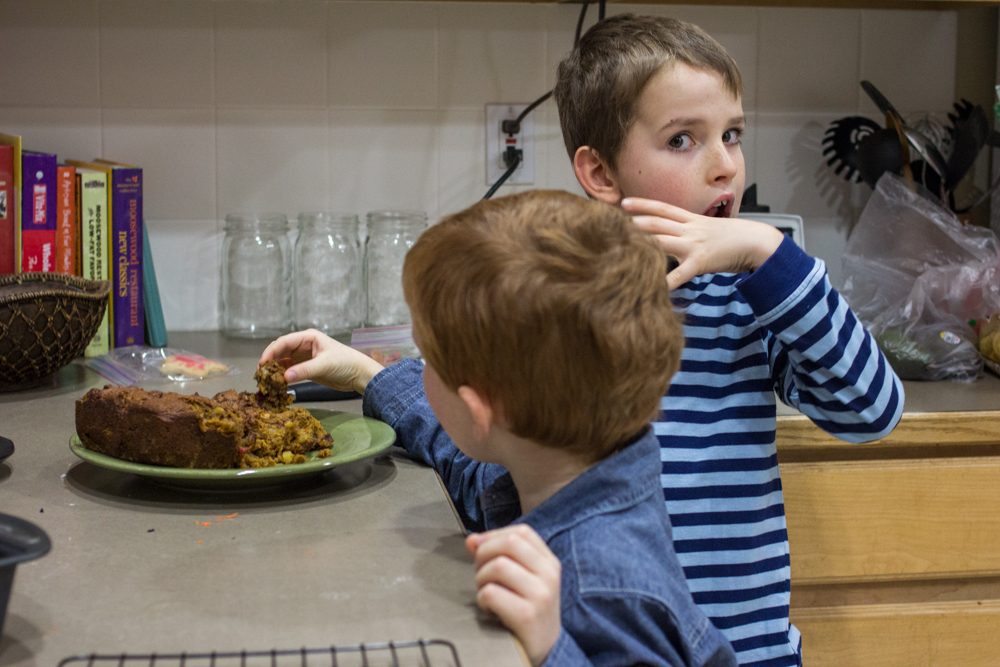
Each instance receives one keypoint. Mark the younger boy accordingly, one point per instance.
(650, 108)
(549, 339)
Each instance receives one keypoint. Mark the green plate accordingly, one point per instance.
(354, 437)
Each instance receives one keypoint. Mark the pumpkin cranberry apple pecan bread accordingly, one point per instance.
(230, 430)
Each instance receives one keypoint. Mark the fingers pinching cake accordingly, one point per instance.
(230, 430)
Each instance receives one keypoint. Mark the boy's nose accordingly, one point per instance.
(723, 166)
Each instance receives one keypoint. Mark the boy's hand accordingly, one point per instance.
(518, 579)
(311, 355)
(702, 244)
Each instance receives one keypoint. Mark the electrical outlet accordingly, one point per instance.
(497, 142)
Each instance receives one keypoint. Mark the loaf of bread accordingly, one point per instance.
(231, 430)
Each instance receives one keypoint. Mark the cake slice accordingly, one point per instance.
(231, 430)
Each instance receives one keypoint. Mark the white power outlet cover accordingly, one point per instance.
(497, 142)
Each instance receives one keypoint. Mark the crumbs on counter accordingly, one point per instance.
(41, 511)
(151, 530)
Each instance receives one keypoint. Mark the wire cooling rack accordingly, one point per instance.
(418, 653)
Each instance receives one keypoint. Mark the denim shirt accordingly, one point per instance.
(624, 599)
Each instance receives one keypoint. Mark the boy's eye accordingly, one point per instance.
(732, 136)
(680, 142)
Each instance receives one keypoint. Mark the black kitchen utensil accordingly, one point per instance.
(19, 541)
(841, 143)
(970, 131)
(6, 448)
(878, 153)
(920, 143)
(313, 391)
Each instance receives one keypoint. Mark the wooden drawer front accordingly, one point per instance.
(877, 520)
(911, 635)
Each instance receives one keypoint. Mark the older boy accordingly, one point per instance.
(652, 117)
(540, 316)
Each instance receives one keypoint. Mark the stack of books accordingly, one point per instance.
(82, 218)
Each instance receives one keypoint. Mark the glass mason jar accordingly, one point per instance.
(256, 276)
(390, 235)
(327, 274)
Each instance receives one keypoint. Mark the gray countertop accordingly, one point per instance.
(368, 552)
(943, 396)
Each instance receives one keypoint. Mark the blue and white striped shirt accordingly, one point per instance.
(781, 329)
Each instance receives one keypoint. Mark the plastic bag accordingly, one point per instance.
(917, 276)
(386, 345)
(126, 366)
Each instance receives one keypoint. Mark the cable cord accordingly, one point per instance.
(516, 125)
(515, 163)
(579, 22)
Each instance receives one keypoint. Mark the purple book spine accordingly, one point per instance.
(38, 211)
(126, 256)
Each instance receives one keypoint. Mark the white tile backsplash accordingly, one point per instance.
(393, 44)
(184, 175)
(910, 57)
(49, 51)
(490, 52)
(271, 54)
(791, 170)
(383, 158)
(157, 53)
(186, 256)
(808, 59)
(290, 105)
(70, 133)
(272, 160)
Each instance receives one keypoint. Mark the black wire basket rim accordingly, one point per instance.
(93, 290)
(213, 656)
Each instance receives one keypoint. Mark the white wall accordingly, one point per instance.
(295, 105)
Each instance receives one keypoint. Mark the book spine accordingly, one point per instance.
(66, 220)
(156, 328)
(78, 223)
(8, 246)
(93, 217)
(38, 213)
(126, 257)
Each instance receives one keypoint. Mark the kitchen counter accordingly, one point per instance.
(895, 544)
(368, 552)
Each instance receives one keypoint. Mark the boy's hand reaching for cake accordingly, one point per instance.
(703, 244)
(311, 355)
(518, 578)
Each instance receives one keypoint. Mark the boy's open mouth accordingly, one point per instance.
(720, 209)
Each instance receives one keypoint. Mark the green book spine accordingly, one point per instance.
(156, 328)
(94, 247)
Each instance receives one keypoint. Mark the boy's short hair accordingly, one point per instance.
(556, 308)
(599, 83)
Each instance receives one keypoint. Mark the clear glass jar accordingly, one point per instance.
(328, 287)
(390, 235)
(256, 276)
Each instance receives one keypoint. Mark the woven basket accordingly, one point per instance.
(46, 321)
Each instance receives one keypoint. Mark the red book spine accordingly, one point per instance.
(66, 220)
(8, 244)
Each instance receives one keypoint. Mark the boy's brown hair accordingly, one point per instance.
(552, 306)
(599, 83)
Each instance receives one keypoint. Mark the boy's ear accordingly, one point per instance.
(595, 176)
(481, 410)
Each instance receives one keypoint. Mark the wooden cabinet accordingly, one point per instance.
(895, 545)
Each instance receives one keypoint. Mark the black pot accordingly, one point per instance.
(19, 541)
